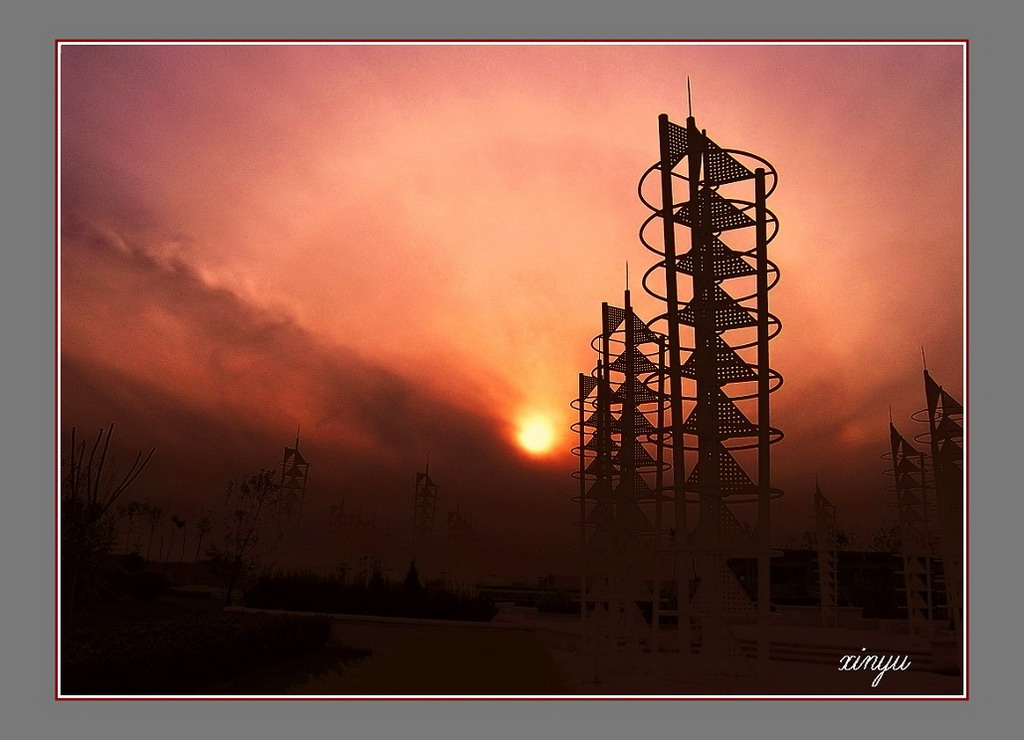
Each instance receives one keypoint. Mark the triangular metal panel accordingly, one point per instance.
(722, 213)
(727, 313)
(641, 364)
(613, 318)
(725, 263)
(641, 456)
(642, 334)
(731, 476)
(641, 393)
(949, 428)
(677, 143)
(908, 482)
(731, 421)
(932, 391)
(951, 451)
(950, 405)
(720, 167)
(907, 465)
(729, 366)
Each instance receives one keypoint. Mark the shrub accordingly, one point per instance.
(180, 653)
(302, 591)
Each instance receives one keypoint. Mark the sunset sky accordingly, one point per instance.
(404, 249)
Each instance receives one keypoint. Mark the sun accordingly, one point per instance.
(536, 435)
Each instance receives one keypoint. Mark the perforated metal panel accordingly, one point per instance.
(950, 450)
(731, 421)
(734, 599)
(949, 428)
(644, 335)
(641, 457)
(728, 314)
(722, 214)
(720, 167)
(731, 477)
(613, 319)
(728, 365)
(677, 144)
(640, 485)
(642, 426)
(641, 364)
(641, 393)
(726, 263)
(950, 405)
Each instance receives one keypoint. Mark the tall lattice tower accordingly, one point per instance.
(294, 479)
(826, 530)
(619, 471)
(944, 416)
(717, 328)
(424, 511)
(917, 548)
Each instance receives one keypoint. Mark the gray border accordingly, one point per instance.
(26, 65)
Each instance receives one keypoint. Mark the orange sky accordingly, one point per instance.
(348, 237)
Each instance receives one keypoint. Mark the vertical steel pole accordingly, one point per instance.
(710, 563)
(676, 392)
(610, 558)
(763, 424)
(659, 497)
(583, 520)
(627, 474)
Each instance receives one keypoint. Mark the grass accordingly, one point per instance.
(452, 660)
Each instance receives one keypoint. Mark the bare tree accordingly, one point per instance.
(178, 523)
(246, 537)
(203, 526)
(183, 526)
(153, 516)
(128, 512)
(91, 484)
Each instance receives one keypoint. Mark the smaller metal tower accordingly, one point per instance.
(424, 510)
(294, 479)
(944, 417)
(912, 507)
(619, 473)
(826, 529)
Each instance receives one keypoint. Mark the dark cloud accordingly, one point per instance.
(245, 377)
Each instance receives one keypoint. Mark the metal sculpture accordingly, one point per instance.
(424, 510)
(826, 530)
(620, 534)
(294, 479)
(717, 329)
(944, 416)
(913, 510)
